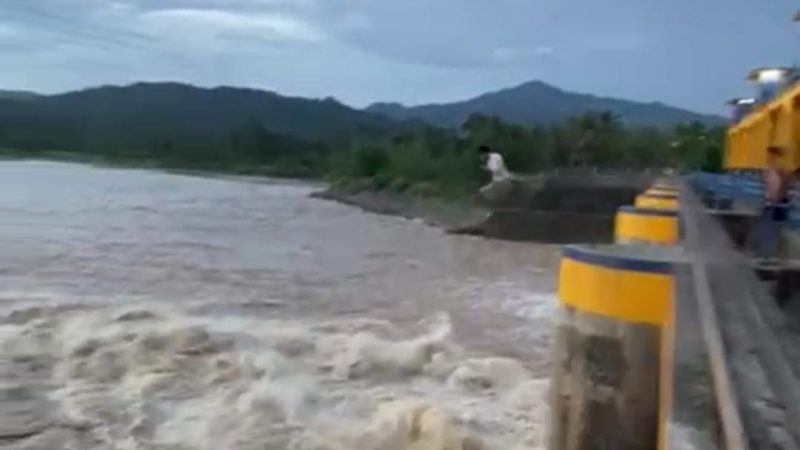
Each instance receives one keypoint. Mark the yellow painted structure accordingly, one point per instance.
(662, 191)
(663, 185)
(652, 226)
(622, 299)
(776, 123)
(666, 193)
(616, 286)
(646, 201)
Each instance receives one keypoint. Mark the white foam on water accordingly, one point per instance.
(533, 306)
(150, 377)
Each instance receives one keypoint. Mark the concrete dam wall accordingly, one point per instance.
(560, 208)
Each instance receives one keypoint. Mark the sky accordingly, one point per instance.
(689, 53)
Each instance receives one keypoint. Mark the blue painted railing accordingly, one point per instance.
(741, 189)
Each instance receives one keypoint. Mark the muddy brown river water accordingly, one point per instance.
(146, 310)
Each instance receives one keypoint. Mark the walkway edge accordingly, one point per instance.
(727, 402)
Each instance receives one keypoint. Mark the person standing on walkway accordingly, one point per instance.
(777, 184)
(502, 181)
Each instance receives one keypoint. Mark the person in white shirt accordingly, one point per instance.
(502, 181)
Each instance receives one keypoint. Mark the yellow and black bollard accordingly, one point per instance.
(664, 184)
(605, 388)
(657, 201)
(661, 191)
(648, 226)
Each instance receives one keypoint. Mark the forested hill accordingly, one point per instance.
(17, 95)
(178, 108)
(246, 130)
(180, 122)
(538, 103)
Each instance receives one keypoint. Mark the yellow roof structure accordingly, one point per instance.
(769, 124)
(775, 122)
(757, 112)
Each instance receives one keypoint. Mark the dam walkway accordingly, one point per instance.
(731, 330)
(672, 337)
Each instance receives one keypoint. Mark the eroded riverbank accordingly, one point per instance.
(551, 208)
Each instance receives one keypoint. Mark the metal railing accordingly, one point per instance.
(738, 190)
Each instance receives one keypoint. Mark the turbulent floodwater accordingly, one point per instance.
(144, 310)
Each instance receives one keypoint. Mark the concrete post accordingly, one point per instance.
(657, 201)
(646, 226)
(605, 387)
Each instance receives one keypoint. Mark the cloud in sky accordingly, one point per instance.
(275, 26)
(684, 52)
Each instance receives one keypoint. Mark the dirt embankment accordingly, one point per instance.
(553, 208)
(435, 212)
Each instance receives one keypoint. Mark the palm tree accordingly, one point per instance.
(597, 138)
(690, 142)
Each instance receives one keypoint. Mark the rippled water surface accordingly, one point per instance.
(145, 310)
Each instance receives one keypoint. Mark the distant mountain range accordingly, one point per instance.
(157, 109)
(17, 95)
(155, 117)
(536, 102)
(227, 128)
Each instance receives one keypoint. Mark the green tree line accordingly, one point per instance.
(433, 161)
(420, 159)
